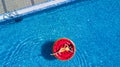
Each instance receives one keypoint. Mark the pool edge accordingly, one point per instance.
(32, 9)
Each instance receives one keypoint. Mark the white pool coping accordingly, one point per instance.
(32, 9)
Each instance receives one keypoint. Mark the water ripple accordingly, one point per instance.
(28, 51)
(21, 50)
(80, 59)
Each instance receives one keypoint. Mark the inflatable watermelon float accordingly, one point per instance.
(63, 49)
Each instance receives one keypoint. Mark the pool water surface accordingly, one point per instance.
(93, 25)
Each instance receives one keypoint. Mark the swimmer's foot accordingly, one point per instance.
(54, 53)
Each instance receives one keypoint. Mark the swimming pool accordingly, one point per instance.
(94, 27)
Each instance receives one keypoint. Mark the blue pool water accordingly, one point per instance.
(94, 27)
